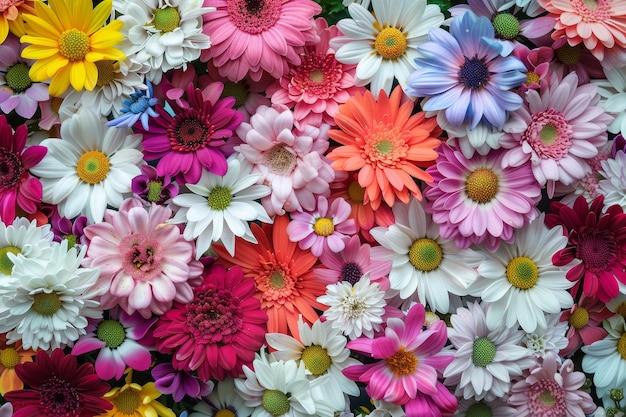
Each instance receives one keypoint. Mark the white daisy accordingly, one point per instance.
(25, 240)
(384, 42)
(613, 93)
(550, 338)
(223, 401)
(485, 360)
(167, 34)
(422, 260)
(220, 208)
(520, 281)
(323, 352)
(494, 408)
(613, 184)
(355, 310)
(46, 302)
(606, 358)
(90, 168)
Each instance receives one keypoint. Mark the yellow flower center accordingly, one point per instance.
(532, 77)
(324, 226)
(219, 198)
(275, 402)
(390, 43)
(548, 134)
(9, 358)
(224, 412)
(569, 55)
(46, 304)
(167, 19)
(579, 318)
(128, 402)
(6, 265)
(92, 167)
(621, 309)
(402, 363)
(277, 280)
(106, 72)
(74, 44)
(425, 254)
(482, 185)
(621, 346)
(316, 359)
(522, 272)
(356, 192)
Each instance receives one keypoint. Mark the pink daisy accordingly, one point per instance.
(191, 139)
(18, 188)
(145, 264)
(441, 404)
(322, 229)
(218, 332)
(249, 37)
(290, 161)
(585, 320)
(476, 200)
(122, 340)
(319, 84)
(552, 389)
(409, 359)
(556, 130)
(537, 62)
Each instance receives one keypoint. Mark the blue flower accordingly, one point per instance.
(138, 107)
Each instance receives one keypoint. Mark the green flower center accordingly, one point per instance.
(128, 402)
(219, 198)
(71, 241)
(484, 352)
(548, 134)
(579, 318)
(154, 191)
(425, 254)
(482, 185)
(547, 399)
(324, 227)
(74, 44)
(277, 280)
(92, 167)
(275, 402)
(522, 272)
(479, 410)
(9, 358)
(402, 363)
(6, 265)
(167, 19)
(316, 76)
(46, 304)
(384, 147)
(569, 55)
(316, 359)
(390, 43)
(236, 90)
(506, 25)
(17, 78)
(112, 332)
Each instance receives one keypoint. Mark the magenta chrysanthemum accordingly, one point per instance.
(249, 37)
(191, 139)
(218, 332)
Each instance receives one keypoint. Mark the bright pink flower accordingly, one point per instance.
(585, 320)
(145, 264)
(537, 62)
(324, 228)
(219, 331)
(17, 186)
(410, 360)
(441, 404)
(179, 383)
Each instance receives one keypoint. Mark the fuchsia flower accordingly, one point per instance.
(179, 382)
(152, 188)
(18, 188)
(537, 62)
(585, 320)
(409, 361)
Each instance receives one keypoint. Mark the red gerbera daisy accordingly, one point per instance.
(58, 388)
(219, 331)
(598, 239)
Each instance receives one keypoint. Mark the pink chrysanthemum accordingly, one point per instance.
(249, 37)
(18, 188)
(476, 200)
(409, 359)
(537, 62)
(585, 320)
(191, 139)
(556, 130)
(319, 84)
(145, 264)
(290, 161)
(552, 389)
(324, 228)
(218, 332)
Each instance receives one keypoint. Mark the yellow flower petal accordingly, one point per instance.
(77, 75)
(91, 75)
(82, 14)
(47, 18)
(62, 10)
(107, 37)
(60, 82)
(4, 29)
(100, 15)
(150, 391)
(44, 69)
(37, 27)
(38, 52)
(39, 41)
(162, 410)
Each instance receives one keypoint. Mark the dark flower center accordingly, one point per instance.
(597, 250)
(237, 90)
(351, 273)
(11, 170)
(474, 73)
(190, 132)
(214, 316)
(59, 398)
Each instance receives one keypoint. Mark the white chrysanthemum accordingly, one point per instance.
(494, 408)
(384, 42)
(613, 92)
(90, 168)
(167, 34)
(46, 302)
(550, 338)
(613, 184)
(485, 360)
(422, 261)
(220, 208)
(223, 401)
(279, 388)
(323, 352)
(355, 310)
(23, 239)
(520, 281)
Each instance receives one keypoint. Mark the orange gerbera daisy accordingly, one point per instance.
(10, 356)
(386, 144)
(285, 280)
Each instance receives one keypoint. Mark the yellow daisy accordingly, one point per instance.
(66, 38)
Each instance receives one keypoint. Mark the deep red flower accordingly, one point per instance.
(598, 240)
(58, 387)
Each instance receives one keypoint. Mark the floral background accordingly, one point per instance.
(233, 208)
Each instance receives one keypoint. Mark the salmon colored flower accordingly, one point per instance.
(12, 355)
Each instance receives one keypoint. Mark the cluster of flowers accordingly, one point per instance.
(267, 208)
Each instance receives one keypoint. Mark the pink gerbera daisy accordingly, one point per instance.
(145, 264)
(218, 332)
(476, 200)
(190, 139)
(556, 130)
(585, 320)
(17, 186)
(409, 359)
(249, 37)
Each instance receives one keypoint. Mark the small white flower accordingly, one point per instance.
(25, 240)
(550, 338)
(613, 186)
(613, 92)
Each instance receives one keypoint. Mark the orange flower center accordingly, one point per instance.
(92, 167)
(9, 358)
(74, 44)
(481, 185)
(402, 363)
